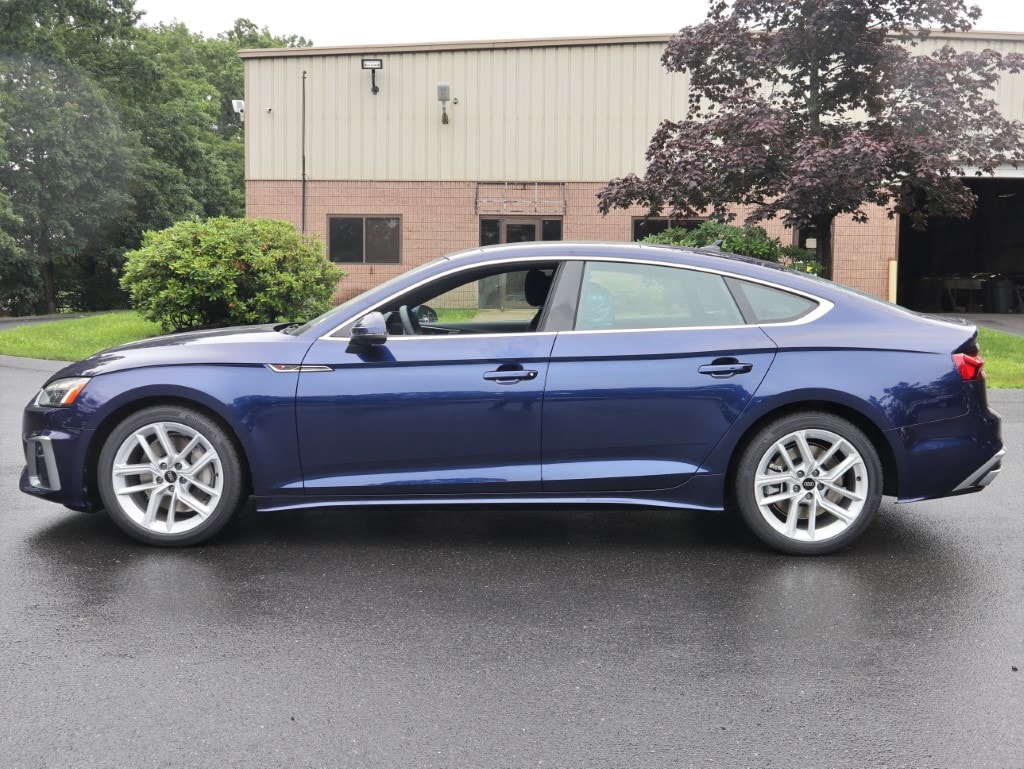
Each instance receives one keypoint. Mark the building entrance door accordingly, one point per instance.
(518, 229)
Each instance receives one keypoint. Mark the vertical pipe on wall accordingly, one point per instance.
(303, 227)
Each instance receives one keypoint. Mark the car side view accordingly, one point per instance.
(542, 373)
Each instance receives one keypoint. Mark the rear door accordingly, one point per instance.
(658, 366)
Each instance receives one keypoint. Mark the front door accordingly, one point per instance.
(451, 403)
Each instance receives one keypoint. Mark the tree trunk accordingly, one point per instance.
(49, 274)
(823, 252)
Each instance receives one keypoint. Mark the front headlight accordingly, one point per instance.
(61, 392)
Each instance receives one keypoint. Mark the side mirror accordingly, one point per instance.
(369, 330)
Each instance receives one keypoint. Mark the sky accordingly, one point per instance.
(419, 21)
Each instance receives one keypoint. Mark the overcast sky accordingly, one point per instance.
(418, 21)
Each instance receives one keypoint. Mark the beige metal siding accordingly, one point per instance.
(528, 110)
(524, 114)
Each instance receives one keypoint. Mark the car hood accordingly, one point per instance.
(238, 346)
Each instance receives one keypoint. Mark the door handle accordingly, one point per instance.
(722, 368)
(510, 375)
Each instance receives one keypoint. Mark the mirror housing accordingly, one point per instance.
(369, 330)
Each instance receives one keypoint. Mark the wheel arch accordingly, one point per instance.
(116, 416)
(881, 444)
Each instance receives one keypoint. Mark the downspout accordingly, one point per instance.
(303, 228)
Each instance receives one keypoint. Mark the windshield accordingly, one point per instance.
(340, 309)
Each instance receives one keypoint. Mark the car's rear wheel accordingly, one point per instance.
(809, 483)
(170, 476)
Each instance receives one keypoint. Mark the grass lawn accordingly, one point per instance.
(76, 337)
(1004, 358)
(80, 337)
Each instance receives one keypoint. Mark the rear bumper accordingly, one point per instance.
(983, 476)
(952, 456)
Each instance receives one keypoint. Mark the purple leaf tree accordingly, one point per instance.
(814, 109)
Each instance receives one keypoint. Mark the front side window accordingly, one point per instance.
(504, 300)
(618, 295)
(365, 239)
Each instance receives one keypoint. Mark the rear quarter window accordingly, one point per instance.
(773, 305)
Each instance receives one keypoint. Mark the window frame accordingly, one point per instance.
(363, 219)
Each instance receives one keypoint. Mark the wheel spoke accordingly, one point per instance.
(804, 449)
(208, 490)
(181, 455)
(143, 440)
(139, 488)
(133, 469)
(153, 507)
(172, 508)
(792, 516)
(840, 470)
(204, 460)
(192, 503)
(165, 441)
(843, 515)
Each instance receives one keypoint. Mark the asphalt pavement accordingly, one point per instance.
(518, 637)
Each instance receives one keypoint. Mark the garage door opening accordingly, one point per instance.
(968, 265)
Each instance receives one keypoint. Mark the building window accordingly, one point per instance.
(365, 239)
(652, 225)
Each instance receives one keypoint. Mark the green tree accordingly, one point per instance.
(811, 110)
(113, 129)
(68, 165)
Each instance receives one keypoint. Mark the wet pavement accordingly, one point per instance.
(510, 637)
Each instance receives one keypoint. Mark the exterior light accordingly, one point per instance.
(373, 65)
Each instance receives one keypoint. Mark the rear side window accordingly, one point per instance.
(617, 295)
(772, 305)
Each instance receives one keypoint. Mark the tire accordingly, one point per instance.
(809, 484)
(169, 476)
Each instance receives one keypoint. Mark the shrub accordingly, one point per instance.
(746, 241)
(225, 272)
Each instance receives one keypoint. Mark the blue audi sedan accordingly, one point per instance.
(543, 373)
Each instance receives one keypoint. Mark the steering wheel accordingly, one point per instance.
(410, 323)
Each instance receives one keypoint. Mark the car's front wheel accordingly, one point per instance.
(809, 483)
(170, 476)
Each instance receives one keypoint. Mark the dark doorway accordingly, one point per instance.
(967, 265)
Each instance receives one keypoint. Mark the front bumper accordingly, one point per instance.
(55, 458)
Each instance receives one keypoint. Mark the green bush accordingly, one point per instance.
(226, 272)
(746, 241)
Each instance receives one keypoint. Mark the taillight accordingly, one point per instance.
(971, 367)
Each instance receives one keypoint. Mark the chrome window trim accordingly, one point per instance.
(824, 305)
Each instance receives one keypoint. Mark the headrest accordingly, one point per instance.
(536, 287)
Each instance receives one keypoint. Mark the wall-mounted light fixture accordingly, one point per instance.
(373, 65)
(239, 107)
(444, 95)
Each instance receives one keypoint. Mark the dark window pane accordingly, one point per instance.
(383, 240)
(490, 232)
(551, 229)
(520, 233)
(346, 239)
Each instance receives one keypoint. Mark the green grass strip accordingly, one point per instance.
(75, 338)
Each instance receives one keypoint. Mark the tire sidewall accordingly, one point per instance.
(762, 443)
(231, 468)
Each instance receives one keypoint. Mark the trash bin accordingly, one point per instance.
(998, 295)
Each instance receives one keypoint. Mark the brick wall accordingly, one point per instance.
(439, 217)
